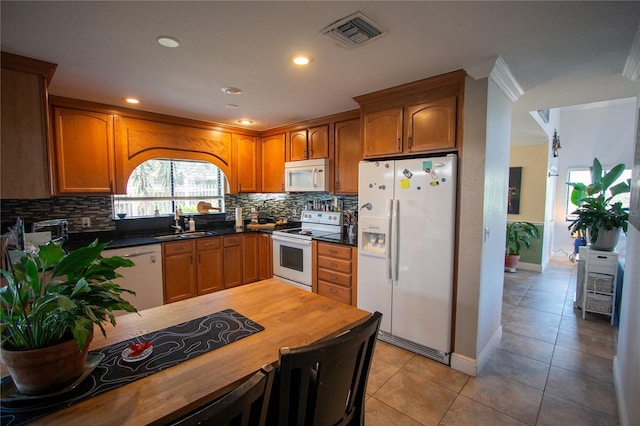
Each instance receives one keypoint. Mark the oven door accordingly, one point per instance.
(292, 260)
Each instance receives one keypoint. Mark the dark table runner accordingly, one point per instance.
(171, 346)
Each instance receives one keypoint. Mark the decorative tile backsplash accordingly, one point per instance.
(100, 208)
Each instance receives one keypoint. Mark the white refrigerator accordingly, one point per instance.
(406, 234)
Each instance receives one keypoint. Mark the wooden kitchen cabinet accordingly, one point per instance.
(179, 270)
(250, 258)
(309, 143)
(415, 118)
(84, 151)
(210, 265)
(273, 156)
(24, 151)
(430, 126)
(232, 260)
(248, 164)
(412, 129)
(336, 271)
(265, 248)
(383, 133)
(347, 154)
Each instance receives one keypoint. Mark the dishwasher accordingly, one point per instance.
(145, 278)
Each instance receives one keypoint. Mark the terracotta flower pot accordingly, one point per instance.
(511, 262)
(41, 371)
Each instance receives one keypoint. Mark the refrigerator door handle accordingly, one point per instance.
(394, 240)
(387, 258)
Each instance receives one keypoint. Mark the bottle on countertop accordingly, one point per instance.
(157, 212)
(192, 224)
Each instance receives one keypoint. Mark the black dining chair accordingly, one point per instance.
(246, 405)
(325, 383)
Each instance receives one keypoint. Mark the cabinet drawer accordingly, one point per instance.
(209, 243)
(180, 247)
(335, 292)
(233, 240)
(335, 251)
(334, 277)
(334, 264)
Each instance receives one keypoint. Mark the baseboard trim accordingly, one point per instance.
(464, 364)
(530, 266)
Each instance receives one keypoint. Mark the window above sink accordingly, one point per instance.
(168, 185)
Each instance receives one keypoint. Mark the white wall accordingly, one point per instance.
(604, 130)
(626, 363)
(482, 205)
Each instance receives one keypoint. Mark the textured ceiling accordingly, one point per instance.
(561, 53)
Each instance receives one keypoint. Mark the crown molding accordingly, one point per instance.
(498, 71)
(506, 82)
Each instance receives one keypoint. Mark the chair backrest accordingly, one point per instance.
(245, 405)
(325, 383)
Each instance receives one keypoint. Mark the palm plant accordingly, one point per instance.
(595, 210)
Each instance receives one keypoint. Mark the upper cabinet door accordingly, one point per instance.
(84, 152)
(248, 165)
(383, 132)
(347, 156)
(298, 144)
(431, 126)
(318, 142)
(273, 163)
(24, 157)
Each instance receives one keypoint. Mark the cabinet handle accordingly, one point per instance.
(333, 290)
(333, 277)
(191, 259)
(410, 142)
(333, 251)
(333, 264)
(199, 259)
(398, 146)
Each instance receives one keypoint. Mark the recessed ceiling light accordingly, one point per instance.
(231, 90)
(131, 100)
(232, 106)
(301, 59)
(168, 41)
(245, 121)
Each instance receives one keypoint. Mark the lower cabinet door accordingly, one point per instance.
(210, 271)
(179, 277)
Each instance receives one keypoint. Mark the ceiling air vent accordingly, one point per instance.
(354, 30)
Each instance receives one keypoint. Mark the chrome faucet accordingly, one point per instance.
(177, 227)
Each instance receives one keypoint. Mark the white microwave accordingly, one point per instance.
(307, 175)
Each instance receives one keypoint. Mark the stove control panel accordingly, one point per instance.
(327, 218)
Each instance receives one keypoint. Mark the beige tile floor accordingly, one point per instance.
(550, 368)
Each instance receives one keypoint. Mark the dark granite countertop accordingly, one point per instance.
(140, 238)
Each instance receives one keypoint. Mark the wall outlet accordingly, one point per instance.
(86, 222)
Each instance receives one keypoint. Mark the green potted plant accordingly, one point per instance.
(50, 304)
(519, 235)
(598, 217)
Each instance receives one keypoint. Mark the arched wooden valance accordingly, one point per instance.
(142, 140)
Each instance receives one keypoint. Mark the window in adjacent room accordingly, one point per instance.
(584, 175)
(171, 184)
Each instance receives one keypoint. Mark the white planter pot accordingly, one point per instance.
(607, 239)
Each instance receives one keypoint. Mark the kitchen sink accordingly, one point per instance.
(184, 235)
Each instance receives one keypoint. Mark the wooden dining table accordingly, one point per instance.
(290, 317)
